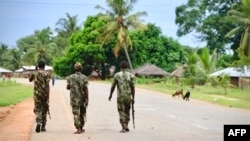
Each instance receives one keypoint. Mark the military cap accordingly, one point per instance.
(78, 66)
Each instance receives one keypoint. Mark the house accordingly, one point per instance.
(26, 70)
(5, 73)
(239, 77)
(150, 70)
(178, 72)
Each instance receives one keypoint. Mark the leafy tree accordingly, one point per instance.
(3, 50)
(206, 19)
(224, 82)
(119, 22)
(150, 46)
(224, 61)
(83, 49)
(63, 66)
(239, 15)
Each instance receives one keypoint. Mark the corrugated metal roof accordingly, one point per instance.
(4, 70)
(233, 72)
(26, 68)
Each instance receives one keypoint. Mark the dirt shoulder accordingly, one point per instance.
(16, 121)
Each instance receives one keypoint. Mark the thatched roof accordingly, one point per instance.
(150, 70)
(178, 72)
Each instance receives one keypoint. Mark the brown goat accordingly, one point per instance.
(178, 93)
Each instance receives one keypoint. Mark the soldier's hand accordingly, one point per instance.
(110, 97)
(87, 102)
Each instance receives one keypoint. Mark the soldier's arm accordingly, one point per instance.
(112, 88)
(86, 92)
(132, 87)
(68, 84)
(32, 77)
(47, 89)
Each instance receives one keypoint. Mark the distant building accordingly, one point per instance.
(26, 70)
(239, 77)
(150, 70)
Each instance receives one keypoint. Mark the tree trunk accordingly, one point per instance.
(128, 58)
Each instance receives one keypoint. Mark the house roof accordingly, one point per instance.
(30, 68)
(178, 71)
(4, 70)
(150, 69)
(233, 72)
(19, 70)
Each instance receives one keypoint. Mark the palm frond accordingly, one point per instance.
(117, 49)
(233, 31)
(134, 22)
(233, 12)
(245, 42)
(108, 12)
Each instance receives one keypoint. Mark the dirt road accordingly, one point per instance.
(157, 117)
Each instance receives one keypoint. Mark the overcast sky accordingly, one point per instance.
(20, 18)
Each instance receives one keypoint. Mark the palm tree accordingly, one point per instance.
(239, 14)
(3, 49)
(42, 49)
(67, 26)
(208, 61)
(14, 59)
(120, 22)
(192, 68)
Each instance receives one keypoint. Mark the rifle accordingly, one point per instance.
(133, 114)
(47, 107)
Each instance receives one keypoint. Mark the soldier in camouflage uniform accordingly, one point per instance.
(124, 81)
(41, 80)
(77, 83)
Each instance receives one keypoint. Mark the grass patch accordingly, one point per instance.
(13, 93)
(233, 98)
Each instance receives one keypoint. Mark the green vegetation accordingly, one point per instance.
(12, 92)
(116, 34)
(107, 38)
(234, 97)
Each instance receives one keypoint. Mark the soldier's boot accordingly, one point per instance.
(38, 127)
(43, 129)
(126, 127)
(123, 129)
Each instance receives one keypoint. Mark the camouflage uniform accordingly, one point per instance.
(41, 95)
(125, 80)
(77, 83)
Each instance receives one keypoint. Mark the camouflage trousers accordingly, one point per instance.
(124, 105)
(40, 111)
(79, 113)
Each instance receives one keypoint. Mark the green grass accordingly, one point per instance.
(13, 93)
(233, 98)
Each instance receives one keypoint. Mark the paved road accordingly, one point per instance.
(158, 117)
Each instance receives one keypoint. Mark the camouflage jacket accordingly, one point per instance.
(125, 80)
(41, 83)
(77, 83)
